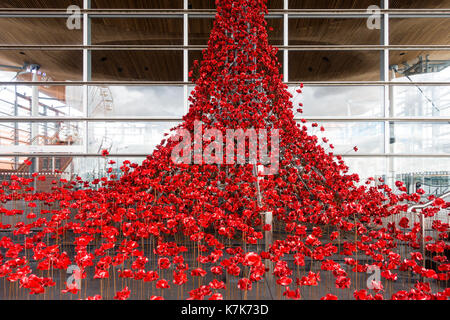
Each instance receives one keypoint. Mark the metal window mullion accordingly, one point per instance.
(384, 34)
(185, 55)
(286, 41)
(87, 69)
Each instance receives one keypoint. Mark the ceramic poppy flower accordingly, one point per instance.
(164, 263)
(284, 281)
(245, 284)
(216, 296)
(185, 219)
(199, 272)
(329, 296)
(124, 294)
(162, 284)
(251, 259)
(292, 294)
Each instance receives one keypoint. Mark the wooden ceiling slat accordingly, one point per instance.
(67, 65)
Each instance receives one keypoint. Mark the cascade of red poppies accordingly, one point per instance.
(170, 230)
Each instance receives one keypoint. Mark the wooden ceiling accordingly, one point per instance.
(167, 65)
(209, 4)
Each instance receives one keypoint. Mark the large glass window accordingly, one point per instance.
(123, 82)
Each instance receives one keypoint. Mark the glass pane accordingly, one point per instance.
(211, 4)
(30, 137)
(53, 101)
(319, 31)
(421, 66)
(198, 55)
(137, 65)
(200, 30)
(202, 4)
(33, 31)
(137, 31)
(331, 4)
(361, 101)
(127, 137)
(52, 168)
(127, 101)
(427, 138)
(430, 174)
(91, 168)
(275, 35)
(334, 65)
(419, 4)
(59, 167)
(48, 4)
(141, 4)
(433, 101)
(368, 137)
(430, 31)
(45, 65)
(366, 167)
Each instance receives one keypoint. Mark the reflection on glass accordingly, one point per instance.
(59, 4)
(127, 101)
(330, 101)
(200, 30)
(210, 4)
(327, 4)
(366, 167)
(368, 137)
(44, 31)
(51, 101)
(427, 138)
(419, 4)
(330, 31)
(142, 4)
(432, 101)
(419, 100)
(432, 175)
(42, 65)
(96, 167)
(430, 66)
(137, 31)
(276, 33)
(29, 137)
(127, 137)
(432, 31)
(125, 65)
(334, 65)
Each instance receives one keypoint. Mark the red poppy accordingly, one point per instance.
(284, 281)
(329, 296)
(164, 263)
(216, 284)
(251, 259)
(122, 295)
(216, 296)
(199, 272)
(245, 284)
(162, 284)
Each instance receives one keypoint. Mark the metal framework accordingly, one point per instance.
(384, 48)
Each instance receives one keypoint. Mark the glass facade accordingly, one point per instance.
(118, 80)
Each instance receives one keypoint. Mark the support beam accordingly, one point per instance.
(286, 41)
(87, 69)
